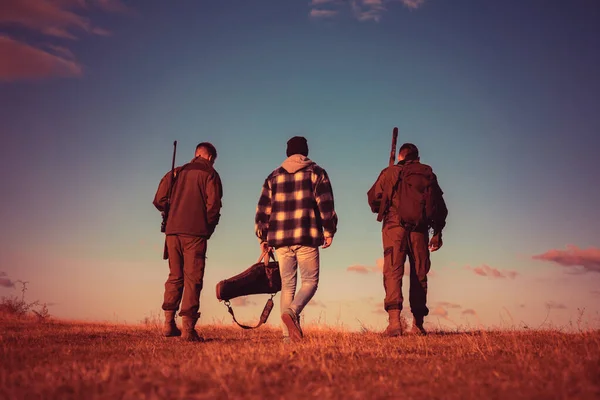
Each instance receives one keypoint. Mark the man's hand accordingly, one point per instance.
(327, 242)
(265, 248)
(436, 242)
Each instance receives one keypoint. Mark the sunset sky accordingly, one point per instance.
(501, 97)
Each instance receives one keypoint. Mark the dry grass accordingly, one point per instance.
(64, 360)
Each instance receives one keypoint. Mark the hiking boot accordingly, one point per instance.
(394, 327)
(291, 321)
(170, 328)
(189, 333)
(417, 327)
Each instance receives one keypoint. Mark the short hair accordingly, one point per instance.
(411, 152)
(209, 148)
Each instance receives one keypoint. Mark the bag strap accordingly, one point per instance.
(263, 317)
(264, 257)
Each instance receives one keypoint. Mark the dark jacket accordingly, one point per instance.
(383, 200)
(195, 201)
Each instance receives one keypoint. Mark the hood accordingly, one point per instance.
(296, 162)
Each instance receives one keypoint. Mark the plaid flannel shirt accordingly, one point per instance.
(296, 209)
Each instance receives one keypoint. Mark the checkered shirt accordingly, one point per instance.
(296, 209)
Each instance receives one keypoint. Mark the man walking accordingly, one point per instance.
(194, 212)
(295, 215)
(409, 201)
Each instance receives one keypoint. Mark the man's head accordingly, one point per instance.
(408, 151)
(297, 145)
(207, 151)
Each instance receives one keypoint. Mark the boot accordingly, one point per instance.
(170, 328)
(189, 333)
(395, 324)
(417, 327)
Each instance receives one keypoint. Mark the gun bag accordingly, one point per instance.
(263, 277)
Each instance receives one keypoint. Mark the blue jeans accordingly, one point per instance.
(290, 259)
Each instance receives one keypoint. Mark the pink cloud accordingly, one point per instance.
(588, 259)
(469, 311)
(320, 2)
(413, 3)
(53, 20)
(316, 303)
(440, 312)
(319, 13)
(360, 269)
(379, 309)
(378, 268)
(486, 270)
(362, 10)
(368, 10)
(242, 302)
(21, 61)
(446, 304)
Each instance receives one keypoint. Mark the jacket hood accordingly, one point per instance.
(296, 162)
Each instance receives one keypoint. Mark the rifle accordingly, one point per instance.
(385, 199)
(165, 214)
(393, 151)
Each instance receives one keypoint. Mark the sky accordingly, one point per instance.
(501, 97)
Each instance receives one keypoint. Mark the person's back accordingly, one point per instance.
(194, 211)
(195, 200)
(301, 204)
(295, 215)
(409, 201)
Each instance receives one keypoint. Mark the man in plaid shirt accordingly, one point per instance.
(295, 215)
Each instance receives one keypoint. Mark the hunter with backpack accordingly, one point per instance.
(409, 201)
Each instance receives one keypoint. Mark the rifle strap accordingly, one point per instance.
(263, 317)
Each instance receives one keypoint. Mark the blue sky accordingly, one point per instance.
(502, 98)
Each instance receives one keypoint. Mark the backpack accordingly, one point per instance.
(414, 197)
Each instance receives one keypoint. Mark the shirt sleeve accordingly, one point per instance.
(325, 205)
(263, 212)
(375, 194)
(214, 195)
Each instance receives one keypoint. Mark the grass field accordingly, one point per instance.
(70, 360)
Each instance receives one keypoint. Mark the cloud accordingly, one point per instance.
(587, 260)
(368, 10)
(593, 292)
(21, 61)
(365, 269)
(440, 312)
(51, 20)
(445, 304)
(7, 283)
(379, 309)
(552, 305)
(469, 311)
(318, 13)
(362, 10)
(360, 269)
(486, 270)
(242, 302)
(414, 4)
(316, 303)
(2, 273)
